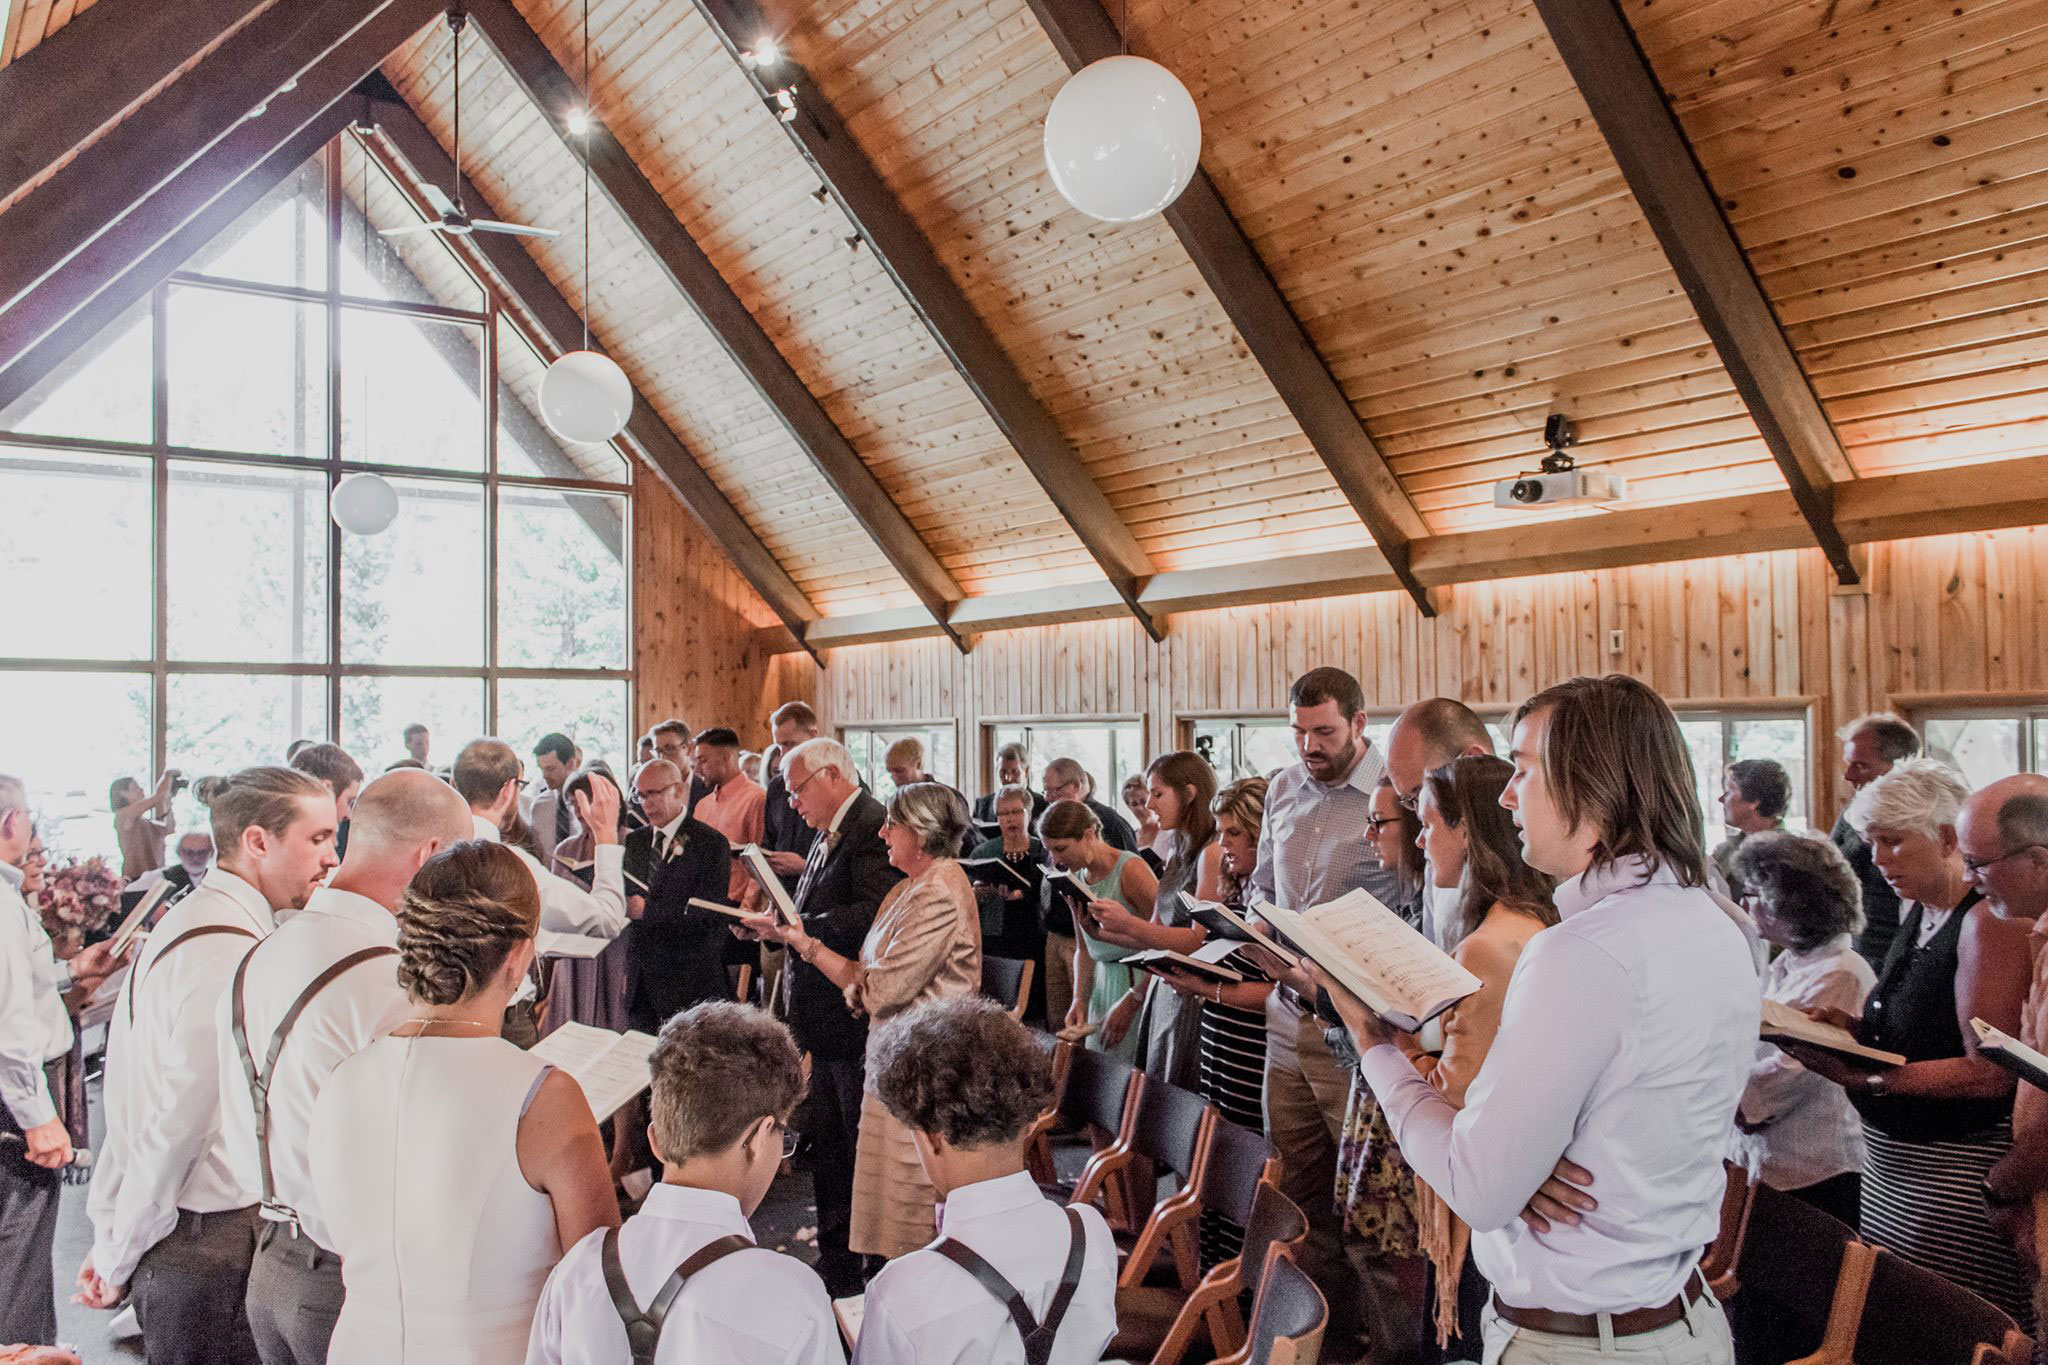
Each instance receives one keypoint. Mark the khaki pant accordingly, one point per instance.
(1059, 979)
(1305, 1095)
(1701, 1338)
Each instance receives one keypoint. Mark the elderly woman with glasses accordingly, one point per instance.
(1935, 1126)
(925, 945)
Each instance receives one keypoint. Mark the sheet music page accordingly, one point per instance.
(850, 1311)
(1406, 970)
(549, 943)
(1782, 1019)
(611, 1067)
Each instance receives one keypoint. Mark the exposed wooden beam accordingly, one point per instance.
(555, 95)
(93, 70)
(1083, 32)
(1600, 48)
(341, 41)
(1981, 497)
(133, 257)
(901, 248)
(410, 150)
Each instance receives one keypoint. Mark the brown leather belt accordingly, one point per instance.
(1632, 1323)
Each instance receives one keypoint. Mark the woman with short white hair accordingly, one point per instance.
(1934, 1127)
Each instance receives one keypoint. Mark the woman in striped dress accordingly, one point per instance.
(1934, 1127)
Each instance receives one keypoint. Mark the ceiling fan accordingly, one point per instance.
(450, 217)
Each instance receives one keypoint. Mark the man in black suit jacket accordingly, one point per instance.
(1066, 780)
(675, 954)
(841, 888)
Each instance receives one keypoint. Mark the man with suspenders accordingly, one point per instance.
(682, 1281)
(320, 988)
(171, 1222)
(1014, 1279)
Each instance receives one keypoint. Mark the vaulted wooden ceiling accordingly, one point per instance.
(1464, 240)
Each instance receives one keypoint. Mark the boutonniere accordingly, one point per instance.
(832, 840)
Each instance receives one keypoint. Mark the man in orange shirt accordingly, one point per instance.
(736, 805)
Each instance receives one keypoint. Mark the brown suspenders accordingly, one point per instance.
(1038, 1336)
(135, 977)
(259, 1084)
(643, 1325)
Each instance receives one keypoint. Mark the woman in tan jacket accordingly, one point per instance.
(1503, 903)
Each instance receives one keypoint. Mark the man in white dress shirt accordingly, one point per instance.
(170, 1220)
(1623, 1050)
(337, 962)
(486, 774)
(726, 1077)
(35, 1034)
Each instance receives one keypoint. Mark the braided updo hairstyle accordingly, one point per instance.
(462, 914)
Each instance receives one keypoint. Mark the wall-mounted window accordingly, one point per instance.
(1716, 739)
(1240, 746)
(1985, 743)
(1109, 750)
(164, 503)
(869, 745)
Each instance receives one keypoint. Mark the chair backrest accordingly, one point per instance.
(1007, 981)
(1808, 1266)
(1233, 1164)
(1289, 1315)
(1274, 1221)
(1718, 1266)
(1915, 1317)
(1169, 1127)
(1096, 1090)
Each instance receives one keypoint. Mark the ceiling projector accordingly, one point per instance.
(1559, 479)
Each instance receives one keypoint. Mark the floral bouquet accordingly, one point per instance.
(79, 898)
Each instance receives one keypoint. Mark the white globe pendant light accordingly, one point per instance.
(1122, 139)
(363, 504)
(586, 397)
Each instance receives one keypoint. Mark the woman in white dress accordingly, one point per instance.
(455, 1166)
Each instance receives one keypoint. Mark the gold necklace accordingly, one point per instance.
(425, 1024)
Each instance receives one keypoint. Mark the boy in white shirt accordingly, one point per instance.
(968, 1080)
(726, 1078)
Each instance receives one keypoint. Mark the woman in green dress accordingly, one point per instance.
(1104, 1002)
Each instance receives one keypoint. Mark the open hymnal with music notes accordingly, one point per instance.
(1224, 922)
(1377, 956)
(1206, 961)
(1997, 1046)
(1000, 873)
(1783, 1024)
(611, 1067)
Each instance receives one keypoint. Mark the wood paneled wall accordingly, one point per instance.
(1952, 616)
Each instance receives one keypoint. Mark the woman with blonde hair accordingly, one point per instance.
(455, 1167)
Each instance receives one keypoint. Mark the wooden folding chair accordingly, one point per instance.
(1007, 981)
(1167, 1129)
(743, 987)
(1099, 1093)
(1228, 1170)
(2018, 1350)
(1913, 1316)
(1161, 1322)
(1804, 1277)
(1717, 1267)
(1289, 1316)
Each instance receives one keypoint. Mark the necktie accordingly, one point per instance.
(562, 820)
(660, 846)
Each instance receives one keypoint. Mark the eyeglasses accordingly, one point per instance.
(1410, 801)
(1374, 824)
(1973, 867)
(798, 789)
(656, 791)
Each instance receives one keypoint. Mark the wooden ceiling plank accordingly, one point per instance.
(553, 92)
(1082, 31)
(211, 103)
(1600, 48)
(415, 157)
(129, 47)
(128, 191)
(907, 255)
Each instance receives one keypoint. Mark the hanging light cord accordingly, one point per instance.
(589, 112)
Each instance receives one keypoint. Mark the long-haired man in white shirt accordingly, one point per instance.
(1624, 1047)
(348, 935)
(170, 1220)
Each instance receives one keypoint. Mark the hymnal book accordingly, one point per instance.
(756, 862)
(1225, 922)
(132, 923)
(1206, 961)
(721, 908)
(611, 1067)
(988, 829)
(2009, 1052)
(1000, 873)
(1379, 957)
(548, 943)
(1783, 1024)
(1073, 889)
(849, 1312)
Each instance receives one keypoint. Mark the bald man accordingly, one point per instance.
(1426, 736)
(340, 956)
(2002, 834)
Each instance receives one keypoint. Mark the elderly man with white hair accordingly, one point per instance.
(845, 877)
(1935, 1127)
